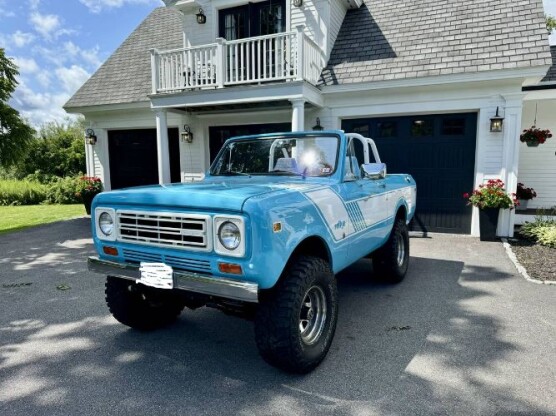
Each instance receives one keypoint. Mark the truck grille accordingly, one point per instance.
(167, 229)
(179, 263)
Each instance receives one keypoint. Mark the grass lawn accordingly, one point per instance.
(19, 217)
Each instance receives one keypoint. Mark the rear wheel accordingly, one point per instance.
(139, 306)
(296, 320)
(391, 261)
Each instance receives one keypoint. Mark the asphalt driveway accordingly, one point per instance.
(463, 334)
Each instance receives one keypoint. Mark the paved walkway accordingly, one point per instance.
(481, 341)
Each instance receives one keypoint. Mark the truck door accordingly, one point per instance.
(365, 201)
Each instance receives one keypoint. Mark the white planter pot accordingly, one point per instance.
(522, 205)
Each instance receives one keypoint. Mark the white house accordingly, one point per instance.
(537, 165)
(422, 78)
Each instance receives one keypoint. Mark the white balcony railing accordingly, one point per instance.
(284, 56)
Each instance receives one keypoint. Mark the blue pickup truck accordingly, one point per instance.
(261, 236)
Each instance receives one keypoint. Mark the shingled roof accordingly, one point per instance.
(386, 40)
(126, 76)
(551, 74)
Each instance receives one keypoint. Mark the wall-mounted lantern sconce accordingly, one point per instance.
(496, 122)
(90, 137)
(318, 127)
(201, 18)
(298, 3)
(186, 135)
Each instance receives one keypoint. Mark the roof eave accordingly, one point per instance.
(106, 107)
(494, 75)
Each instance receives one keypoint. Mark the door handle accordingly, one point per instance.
(381, 185)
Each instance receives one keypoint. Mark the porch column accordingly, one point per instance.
(162, 146)
(298, 114)
(510, 157)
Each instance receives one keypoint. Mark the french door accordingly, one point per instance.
(252, 20)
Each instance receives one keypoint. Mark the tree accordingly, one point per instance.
(15, 133)
(58, 151)
(550, 23)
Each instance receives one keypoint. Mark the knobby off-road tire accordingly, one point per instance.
(296, 320)
(390, 262)
(141, 307)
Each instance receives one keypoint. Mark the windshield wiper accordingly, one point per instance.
(285, 172)
(233, 173)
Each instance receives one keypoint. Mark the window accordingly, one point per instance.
(453, 127)
(252, 19)
(387, 129)
(421, 127)
(235, 23)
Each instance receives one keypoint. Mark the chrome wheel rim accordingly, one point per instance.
(400, 248)
(312, 317)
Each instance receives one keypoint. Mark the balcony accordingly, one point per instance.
(281, 57)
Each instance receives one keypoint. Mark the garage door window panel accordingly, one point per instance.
(422, 127)
(387, 129)
(453, 127)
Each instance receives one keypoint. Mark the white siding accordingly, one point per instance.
(537, 165)
(337, 13)
(97, 165)
(313, 15)
(196, 34)
(322, 20)
(192, 154)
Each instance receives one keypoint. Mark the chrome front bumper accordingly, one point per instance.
(192, 282)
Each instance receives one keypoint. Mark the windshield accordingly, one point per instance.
(304, 156)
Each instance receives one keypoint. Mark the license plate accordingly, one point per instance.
(157, 275)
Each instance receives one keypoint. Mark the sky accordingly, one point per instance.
(59, 44)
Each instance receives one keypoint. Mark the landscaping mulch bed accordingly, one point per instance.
(539, 261)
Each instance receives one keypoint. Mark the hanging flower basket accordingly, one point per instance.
(534, 136)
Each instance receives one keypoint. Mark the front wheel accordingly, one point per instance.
(296, 320)
(139, 306)
(391, 261)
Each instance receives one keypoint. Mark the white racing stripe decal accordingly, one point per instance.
(356, 216)
(344, 219)
(334, 212)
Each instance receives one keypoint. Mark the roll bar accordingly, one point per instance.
(365, 141)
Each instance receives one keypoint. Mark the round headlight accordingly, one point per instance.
(229, 235)
(106, 223)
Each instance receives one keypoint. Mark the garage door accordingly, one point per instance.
(133, 157)
(439, 151)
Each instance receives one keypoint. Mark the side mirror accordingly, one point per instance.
(374, 170)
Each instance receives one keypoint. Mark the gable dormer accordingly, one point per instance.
(238, 19)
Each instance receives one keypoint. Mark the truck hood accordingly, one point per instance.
(228, 195)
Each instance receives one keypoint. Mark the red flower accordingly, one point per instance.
(466, 195)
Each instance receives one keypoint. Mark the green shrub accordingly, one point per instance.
(40, 177)
(542, 230)
(63, 191)
(547, 236)
(14, 192)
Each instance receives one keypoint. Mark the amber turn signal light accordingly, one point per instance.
(111, 251)
(230, 268)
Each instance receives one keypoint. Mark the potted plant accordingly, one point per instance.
(490, 198)
(524, 195)
(87, 188)
(534, 136)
